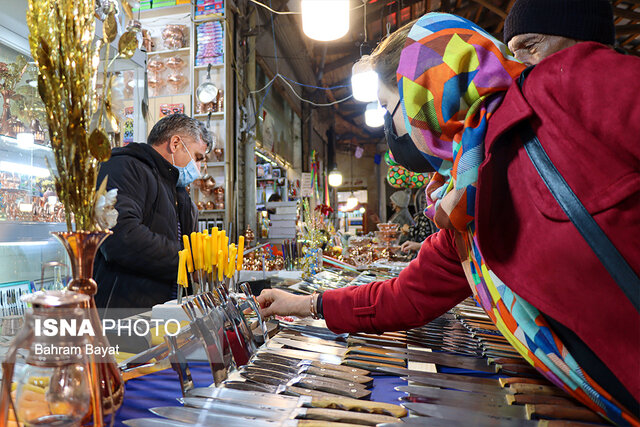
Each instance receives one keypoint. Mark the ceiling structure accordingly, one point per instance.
(329, 64)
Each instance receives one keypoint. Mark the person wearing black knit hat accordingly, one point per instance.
(535, 29)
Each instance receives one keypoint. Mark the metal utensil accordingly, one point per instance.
(207, 91)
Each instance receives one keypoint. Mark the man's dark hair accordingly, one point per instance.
(178, 124)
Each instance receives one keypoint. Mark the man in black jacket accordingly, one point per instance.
(136, 267)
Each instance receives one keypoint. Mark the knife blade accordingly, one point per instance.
(249, 398)
(489, 404)
(302, 381)
(467, 417)
(324, 349)
(296, 358)
(451, 360)
(473, 401)
(338, 383)
(301, 354)
(517, 393)
(309, 369)
(194, 415)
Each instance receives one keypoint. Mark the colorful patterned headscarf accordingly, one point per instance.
(452, 76)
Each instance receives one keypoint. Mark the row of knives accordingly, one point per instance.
(306, 375)
(11, 303)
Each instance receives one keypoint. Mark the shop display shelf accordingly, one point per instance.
(171, 95)
(164, 11)
(169, 51)
(209, 18)
(204, 67)
(214, 116)
(215, 164)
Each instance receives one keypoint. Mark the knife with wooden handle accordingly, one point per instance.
(309, 369)
(578, 413)
(287, 376)
(250, 398)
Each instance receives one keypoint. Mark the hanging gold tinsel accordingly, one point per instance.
(67, 53)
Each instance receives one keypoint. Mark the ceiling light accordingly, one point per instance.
(325, 20)
(335, 178)
(364, 82)
(352, 202)
(374, 115)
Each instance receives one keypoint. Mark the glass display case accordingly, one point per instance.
(29, 207)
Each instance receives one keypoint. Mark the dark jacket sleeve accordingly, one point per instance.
(431, 284)
(133, 245)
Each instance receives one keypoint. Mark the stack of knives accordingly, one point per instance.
(309, 376)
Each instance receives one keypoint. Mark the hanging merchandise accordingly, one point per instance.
(210, 43)
(325, 20)
(399, 177)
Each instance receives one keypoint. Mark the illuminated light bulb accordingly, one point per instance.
(374, 115)
(325, 20)
(352, 202)
(364, 82)
(335, 178)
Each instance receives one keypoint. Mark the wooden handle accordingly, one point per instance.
(367, 365)
(520, 388)
(327, 373)
(363, 349)
(300, 391)
(508, 361)
(577, 413)
(504, 382)
(348, 416)
(320, 423)
(347, 404)
(537, 399)
(368, 357)
(341, 368)
(517, 370)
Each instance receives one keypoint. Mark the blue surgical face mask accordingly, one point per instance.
(189, 173)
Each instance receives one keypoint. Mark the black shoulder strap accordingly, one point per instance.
(608, 254)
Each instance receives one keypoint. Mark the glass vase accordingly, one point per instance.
(82, 247)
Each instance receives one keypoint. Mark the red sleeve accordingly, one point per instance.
(429, 286)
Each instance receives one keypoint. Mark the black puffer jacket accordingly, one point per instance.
(136, 267)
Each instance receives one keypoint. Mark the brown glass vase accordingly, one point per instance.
(82, 247)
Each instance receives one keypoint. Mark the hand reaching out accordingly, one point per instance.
(410, 246)
(277, 302)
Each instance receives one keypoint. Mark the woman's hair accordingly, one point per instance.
(386, 56)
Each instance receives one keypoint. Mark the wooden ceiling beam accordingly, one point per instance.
(341, 62)
(492, 7)
(626, 13)
(629, 29)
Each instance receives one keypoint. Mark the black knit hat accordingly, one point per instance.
(586, 20)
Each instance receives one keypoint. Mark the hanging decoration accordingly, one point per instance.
(314, 239)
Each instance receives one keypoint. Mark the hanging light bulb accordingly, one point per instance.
(374, 115)
(364, 82)
(325, 20)
(352, 202)
(335, 178)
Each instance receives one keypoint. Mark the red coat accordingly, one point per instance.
(583, 104)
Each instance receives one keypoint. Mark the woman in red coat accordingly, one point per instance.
(450, 92)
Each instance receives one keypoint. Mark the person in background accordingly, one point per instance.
(400, 204)
(136, 266)
(535, 29)
(422, 228)
(275, 197)
(504, 238)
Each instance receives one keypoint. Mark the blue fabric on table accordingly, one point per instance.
(163, 388)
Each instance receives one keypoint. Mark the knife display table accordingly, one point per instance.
(163, 389)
